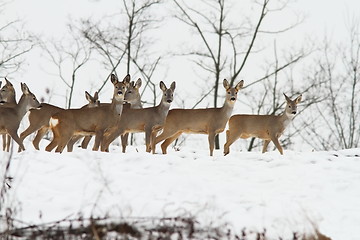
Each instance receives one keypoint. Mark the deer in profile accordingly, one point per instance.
(266, 127)
(142, 120)
(70, 122)
(210, 121)
(10, 117)
(39, 118)
(8, 99)
(133, 101)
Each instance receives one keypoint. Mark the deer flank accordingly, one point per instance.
(266, 127)
(210, 121)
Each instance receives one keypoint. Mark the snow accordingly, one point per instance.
(283, 194)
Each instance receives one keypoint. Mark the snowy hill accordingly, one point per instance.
(282, 194)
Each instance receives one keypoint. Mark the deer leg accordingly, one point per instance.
(85, 142)
(266, 143)
(62, 139)
(32, 128)
(8, 142)
(167, 133)
(56, 139)
(14, 135)
(4, 142)
(275, 140)
(61, 146)
(40, 134)
(211, 139)
(124, 141)
(154, 132)
(231, 137)
(73, 140)
(51, 145)
(109, 137)
(168, 141)
(98, 139)
(148, 133)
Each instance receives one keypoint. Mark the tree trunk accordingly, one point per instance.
(217, 141)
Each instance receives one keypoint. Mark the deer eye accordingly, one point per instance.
(228, 92)
(129, 91)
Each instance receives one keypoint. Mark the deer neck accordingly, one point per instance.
(117, 106)
(286, 118)
(163, 108)
(22, 107)
(136, 105)
(227, 108)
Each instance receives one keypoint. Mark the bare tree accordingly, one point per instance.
(334, 123)
(122, 39)
(15, 42)
(68, 56)
(225, 46)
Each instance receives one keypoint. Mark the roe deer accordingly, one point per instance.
(8, 95)
(211, 121)
(142, 120)
(67, 123)
(133, 100)
(8, 99)
(10, 117)
(39, 118)
(266, 127)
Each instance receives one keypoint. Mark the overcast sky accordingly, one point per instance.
(49, 18)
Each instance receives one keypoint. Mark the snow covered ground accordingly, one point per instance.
(283, 194)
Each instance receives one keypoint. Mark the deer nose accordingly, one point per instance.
(169, 101)
(233, 99)
(120, 92)
(294, 112)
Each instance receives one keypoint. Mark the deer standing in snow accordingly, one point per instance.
(70, 122)
(39, 118)
(8, 99)
(10, 117)
(210, 121)
(142, 120)
(266, 127)
(133, 101)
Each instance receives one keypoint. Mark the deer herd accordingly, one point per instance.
(125, 114)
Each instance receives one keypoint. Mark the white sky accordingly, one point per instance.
(49, 18)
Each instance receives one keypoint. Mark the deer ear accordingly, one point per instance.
(226, 84)
(96, 96)
(239, 85)
(88, 96)
(298, 99)
(127, 79)
(172, 86)
(287, 98)
(114, 79)
(25, 88)
(162, 86)
(8, 82)
(138, 83)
